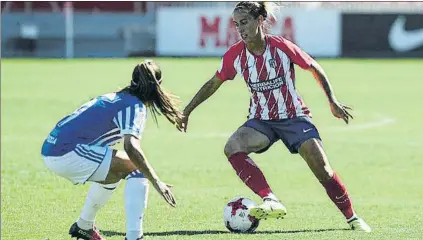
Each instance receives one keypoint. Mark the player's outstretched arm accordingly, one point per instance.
(137, 156)
(321, 77)
(338, 109)
(208, 89)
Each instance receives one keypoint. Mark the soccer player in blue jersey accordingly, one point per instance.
(79, 149)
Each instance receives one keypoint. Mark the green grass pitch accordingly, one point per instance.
(379, 155)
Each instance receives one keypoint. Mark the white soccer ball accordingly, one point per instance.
(237, 215)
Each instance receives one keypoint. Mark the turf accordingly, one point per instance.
(379, 155)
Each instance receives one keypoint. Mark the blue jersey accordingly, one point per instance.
(103, 121)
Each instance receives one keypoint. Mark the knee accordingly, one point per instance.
(232, 146)
(112, 185)
(326, 174)
(112, 178)
(322, 171)
(123, 173)
(116, 176)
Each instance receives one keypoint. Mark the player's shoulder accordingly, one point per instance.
(278, 41)
(234, 50)
(131, 103)
(125, 99)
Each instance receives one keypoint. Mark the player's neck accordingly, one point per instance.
(258, 45)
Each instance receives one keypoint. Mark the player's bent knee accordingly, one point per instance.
(246, 140)
(111, 178)
(325, 173)
(228, 149)
(328, 173)
(232, 146)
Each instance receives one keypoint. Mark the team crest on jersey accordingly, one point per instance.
(272, 63)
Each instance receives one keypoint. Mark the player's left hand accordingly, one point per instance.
(340, 110)
(183, 124)
(164, 190)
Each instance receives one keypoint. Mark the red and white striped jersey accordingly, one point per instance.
(270, 77)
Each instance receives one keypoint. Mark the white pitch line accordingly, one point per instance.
(363, 126)
(354, 127)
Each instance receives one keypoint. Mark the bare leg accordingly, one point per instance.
(120, 167)
(100, 192)
(313, 153)
(136, 194)
(244, 141)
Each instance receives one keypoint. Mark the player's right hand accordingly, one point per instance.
(164, 190)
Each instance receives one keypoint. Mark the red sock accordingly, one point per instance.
(339, 195)
(250, 174)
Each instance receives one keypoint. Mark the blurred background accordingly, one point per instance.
(121, 29)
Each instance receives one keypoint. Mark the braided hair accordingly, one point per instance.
(146, 86)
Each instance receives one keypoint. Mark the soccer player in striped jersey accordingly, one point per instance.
(79, 149)
(276, 112)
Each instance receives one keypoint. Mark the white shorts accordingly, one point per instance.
(84, 163)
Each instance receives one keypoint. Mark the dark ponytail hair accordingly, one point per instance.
(257, 9)
(146, 85)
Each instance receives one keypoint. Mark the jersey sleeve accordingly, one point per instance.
(131, 119)
(296, 54)
(227, 70)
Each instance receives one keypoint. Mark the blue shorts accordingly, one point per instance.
(292, 132)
